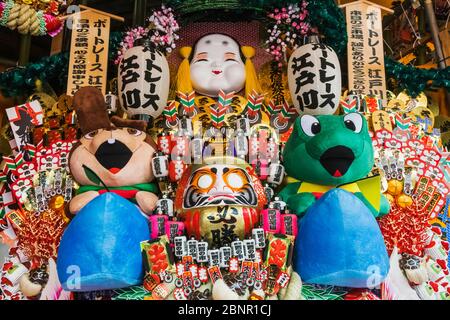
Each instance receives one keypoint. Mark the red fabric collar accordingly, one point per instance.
(127, 194)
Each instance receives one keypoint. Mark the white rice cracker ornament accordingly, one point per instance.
(396, 286)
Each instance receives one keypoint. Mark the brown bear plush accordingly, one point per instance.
(117, 150)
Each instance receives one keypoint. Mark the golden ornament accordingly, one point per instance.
(44, 99)
(395, 187)
(65, 103)
(381, 120)
(423, 113)
(396, 104)
(57, 204)
(389, 197)
(390, 95)
(255, 296)
(403, 96)
(422, 100)
(404, 201)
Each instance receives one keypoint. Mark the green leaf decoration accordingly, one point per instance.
(314, 292)
(131, 293)
(93, 177)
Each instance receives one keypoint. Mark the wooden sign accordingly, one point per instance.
(444, 35)
(88, 51)
(366, 71)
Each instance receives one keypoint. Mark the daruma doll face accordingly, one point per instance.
(220, 201)
(219, 185)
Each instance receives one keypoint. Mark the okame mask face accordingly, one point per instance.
(217, 65)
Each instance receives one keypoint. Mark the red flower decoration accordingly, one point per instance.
(405, 228)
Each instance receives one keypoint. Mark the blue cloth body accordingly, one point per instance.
(339, 243)
(100, 249)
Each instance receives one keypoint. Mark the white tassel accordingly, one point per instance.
(396, 286)
(419, 275)
(28, 288)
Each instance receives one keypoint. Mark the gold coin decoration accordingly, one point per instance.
(404, 200)
(422, 100)
(396, 104)
(423, 113)
(381, 120)
(395, 187)
(403, 96)
(390, 95)
(389, 197)
(44, 99)
(65, 102)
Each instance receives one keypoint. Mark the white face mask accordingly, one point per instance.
(217, 65)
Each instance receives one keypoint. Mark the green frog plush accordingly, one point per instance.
(326, 152)
(328, 158)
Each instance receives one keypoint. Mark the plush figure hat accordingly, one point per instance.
(90, 107)
(92, 114)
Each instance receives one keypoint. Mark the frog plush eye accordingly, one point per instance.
(354, 122)
(310, 125)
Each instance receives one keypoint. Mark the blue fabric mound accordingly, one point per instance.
(100, 249)
(339, 243)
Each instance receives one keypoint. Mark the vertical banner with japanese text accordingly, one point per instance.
(365, 52)
(88, 61)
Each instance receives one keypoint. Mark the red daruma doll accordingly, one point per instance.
(220, 200)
